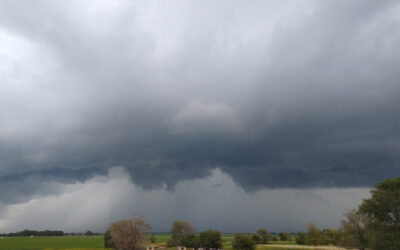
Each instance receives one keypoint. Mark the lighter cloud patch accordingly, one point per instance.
(200, 117)
(94, 204)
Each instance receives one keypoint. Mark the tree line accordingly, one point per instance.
(374, 225)
(34, 233)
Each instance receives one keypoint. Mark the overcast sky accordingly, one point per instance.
(234, 115)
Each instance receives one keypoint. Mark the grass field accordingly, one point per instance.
(53, 242)
(162, 238)
(91, 242)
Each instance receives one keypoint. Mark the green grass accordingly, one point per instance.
(53, 242)
(94, 242)
(162, 237)
(292, 242)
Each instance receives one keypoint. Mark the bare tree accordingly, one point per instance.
(129, 234)
(354, 231)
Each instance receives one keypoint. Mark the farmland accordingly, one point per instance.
(52, 242)
(96, 242)
(75, 242)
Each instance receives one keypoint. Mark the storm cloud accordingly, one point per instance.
(275, 94)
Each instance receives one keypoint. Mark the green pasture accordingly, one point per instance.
(91, 242)
(52, 242)
(162, 237)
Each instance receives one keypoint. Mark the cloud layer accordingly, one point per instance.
(275, 94)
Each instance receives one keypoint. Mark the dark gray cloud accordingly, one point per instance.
(276, 94)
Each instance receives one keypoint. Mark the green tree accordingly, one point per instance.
(190, 241)
(256, 238)
(210, 239)
(285, 236)
(243, 242)
(178, 230)
(382, 215)
(108, 243)
(265, 235)
(301, 238)
(354, 232)
(89, 233)
(314, 235)
(332, 236)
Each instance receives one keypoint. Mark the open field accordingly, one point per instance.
(52, 242)
(77, 242)
(96, 242)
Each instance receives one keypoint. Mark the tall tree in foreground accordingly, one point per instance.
(179, 230)
(382, 213)
(130, 234)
